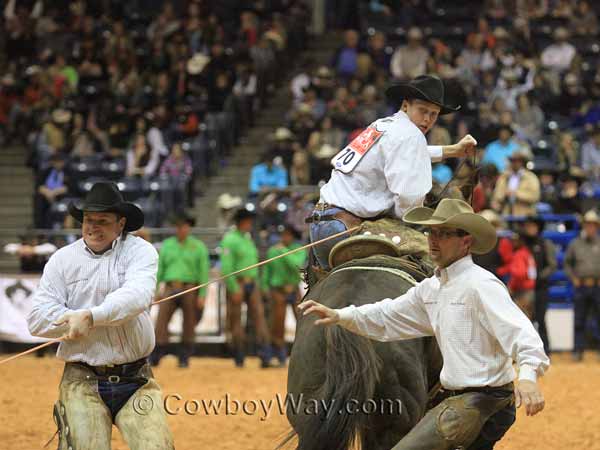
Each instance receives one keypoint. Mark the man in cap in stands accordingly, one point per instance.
(96, 294)
(387, 168)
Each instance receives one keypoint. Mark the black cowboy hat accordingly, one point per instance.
(290, 229)
(424, 87)
(183, 217)
(242, 214)
(105, 197)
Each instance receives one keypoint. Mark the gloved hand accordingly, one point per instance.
(80, 323)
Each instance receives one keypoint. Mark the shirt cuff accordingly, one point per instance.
(99, 316)
(436, 152)
(527, 373)
(346, 315)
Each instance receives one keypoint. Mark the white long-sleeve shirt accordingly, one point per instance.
(479, 329)
(117, 286)
(394, 175)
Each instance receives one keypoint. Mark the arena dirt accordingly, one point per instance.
(28, 388)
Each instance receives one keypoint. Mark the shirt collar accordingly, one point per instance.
(107, 252)
(453, 270)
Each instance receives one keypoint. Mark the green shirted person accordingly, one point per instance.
(238, 251)
(281, 279)
(183, 263)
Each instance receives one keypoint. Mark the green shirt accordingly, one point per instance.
(186, 261)
(237, 252)
(283, 271)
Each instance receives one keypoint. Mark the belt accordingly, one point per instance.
(590, 282)
(115, 373)
(349, 219)
(508, 388)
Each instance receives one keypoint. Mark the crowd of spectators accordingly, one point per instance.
(152, 94)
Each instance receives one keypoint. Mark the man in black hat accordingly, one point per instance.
(238, 251)
(387, 168)
(183, 263)
(96, 294)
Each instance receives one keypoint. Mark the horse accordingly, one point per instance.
(331, 368)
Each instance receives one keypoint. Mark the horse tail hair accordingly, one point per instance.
(351, 375)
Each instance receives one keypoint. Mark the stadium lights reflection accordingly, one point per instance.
(250, 206)
(281, 207)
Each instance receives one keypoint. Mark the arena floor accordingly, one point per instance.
(28, 389)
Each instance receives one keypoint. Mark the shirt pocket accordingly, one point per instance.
(458, 321)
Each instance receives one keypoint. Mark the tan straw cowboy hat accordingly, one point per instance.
(457, 214)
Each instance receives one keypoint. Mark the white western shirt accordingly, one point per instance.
(479, 329)
(394, 175)
(117, 286)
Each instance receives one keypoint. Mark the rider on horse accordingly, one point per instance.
(387, 168)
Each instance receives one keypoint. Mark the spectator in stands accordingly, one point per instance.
(178, 168)
(301, 168)
(227, 205)
(518, 189)
(281, 283)
(529, 119)
(141, 160)
(572, 96)
(582, 266)
(498, 151)
(183, 263)
(238, 251)
(568, 200)
(544, 253)
(584, 21)
(266, 175)
(33, 252)
(325, 134)
(376, 49)
(559, 55)
(568, 151)
(282, 145)
(548, 188)
(410, 60)
(345, 59)
(590, 155)
(52, 186)
(245, 90)
(484, 190)
(369, 106)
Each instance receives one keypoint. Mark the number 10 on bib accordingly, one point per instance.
(346, 160)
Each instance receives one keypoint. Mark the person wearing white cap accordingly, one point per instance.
(479, 329)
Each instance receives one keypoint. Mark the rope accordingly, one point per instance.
(195, 288)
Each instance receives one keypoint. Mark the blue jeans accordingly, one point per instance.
(494, 428)
(321, 230)
(115, 395)
(585, 300)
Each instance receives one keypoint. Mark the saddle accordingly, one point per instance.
(386, 237)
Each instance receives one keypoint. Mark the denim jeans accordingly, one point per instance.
(321, 230)
(585, 300)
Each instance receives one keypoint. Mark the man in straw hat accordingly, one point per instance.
(96, 294)
(582, 266)
(387, 168)
(478, 327)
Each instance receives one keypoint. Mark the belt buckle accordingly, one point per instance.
(114, 379)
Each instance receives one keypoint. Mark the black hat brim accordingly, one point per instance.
(133, 215)
(398, 92)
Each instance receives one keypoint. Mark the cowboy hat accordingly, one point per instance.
(228, 201)
(242, 214)
(105, 197)
(429, 88)
(61, 115)
(181, 218)
(282, 134)
(325, 151)
(458, 214)
(591, 217)
(197, 63)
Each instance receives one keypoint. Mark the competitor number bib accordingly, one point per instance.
(346, 160)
